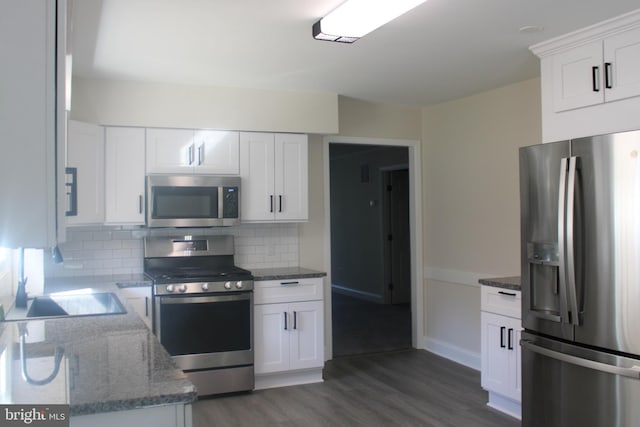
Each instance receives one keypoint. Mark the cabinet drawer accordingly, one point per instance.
(287, 290)
(501, 301)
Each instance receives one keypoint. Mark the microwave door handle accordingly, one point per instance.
(220, 201)
(562, 200)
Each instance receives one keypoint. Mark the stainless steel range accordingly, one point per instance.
(203, 310)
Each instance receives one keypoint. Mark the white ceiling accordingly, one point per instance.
(442, 50)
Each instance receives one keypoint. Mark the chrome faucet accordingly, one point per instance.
(21, 293)
(57, 358)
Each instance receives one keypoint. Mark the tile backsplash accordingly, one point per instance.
(103, 250)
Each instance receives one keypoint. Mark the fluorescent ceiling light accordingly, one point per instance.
(355, 18)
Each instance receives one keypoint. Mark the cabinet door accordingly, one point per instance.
(577, 77)
(291, 177)
(257, 172)
(217, 152)
(85, 152)
(170, 151)
(307, 338)
(124, 175)
(495, 356)
(27, 123)
(271, 339)
(622, 52)
(139, 297)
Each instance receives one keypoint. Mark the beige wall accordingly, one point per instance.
(471, 203)
(126, 103)
(367, 119)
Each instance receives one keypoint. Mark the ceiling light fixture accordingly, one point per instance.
(355, 18)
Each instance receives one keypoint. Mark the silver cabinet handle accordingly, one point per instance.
(140, 203)
(200, 154)
(146, 306)
(632, 372)
(191, 154)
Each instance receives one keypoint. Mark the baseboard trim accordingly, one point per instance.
(452, 352)
(506, 405)
(284, 379)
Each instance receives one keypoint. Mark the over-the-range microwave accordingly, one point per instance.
(192, 200)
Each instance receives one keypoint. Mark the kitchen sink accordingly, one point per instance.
(71, 305)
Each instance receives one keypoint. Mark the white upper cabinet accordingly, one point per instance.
(274, 171)
(217, 152)
(192, 151)
(578, 73)
(124, 175)
(622, 65)
(602, 71)
(85, 153)
(28, 121)
(591, 80)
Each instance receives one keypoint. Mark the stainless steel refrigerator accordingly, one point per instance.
(580, 250)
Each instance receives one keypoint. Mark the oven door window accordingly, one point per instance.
(206, 324)
(184, 202)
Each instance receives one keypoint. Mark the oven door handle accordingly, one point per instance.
(204, 299)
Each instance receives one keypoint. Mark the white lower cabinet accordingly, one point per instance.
(501, 360)
(139, 297)
(288, 336)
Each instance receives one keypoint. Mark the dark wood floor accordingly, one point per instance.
(362, 327)
(404, 388)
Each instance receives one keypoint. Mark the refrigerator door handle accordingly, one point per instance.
(562, 200)
(632, 372)
(572, 300)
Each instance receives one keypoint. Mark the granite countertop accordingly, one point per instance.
(512, 283)
(260, 274)
(109, 363)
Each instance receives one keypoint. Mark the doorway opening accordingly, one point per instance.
(370, 248)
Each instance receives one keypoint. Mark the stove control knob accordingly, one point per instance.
(183, 288)
(239, 285)
(170, 288)
(227, 285)
(205, 286)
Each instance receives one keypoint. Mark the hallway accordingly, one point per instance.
(362, 327)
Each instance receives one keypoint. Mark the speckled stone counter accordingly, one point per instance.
(285, 273)
(109, 363)
(512, 283)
